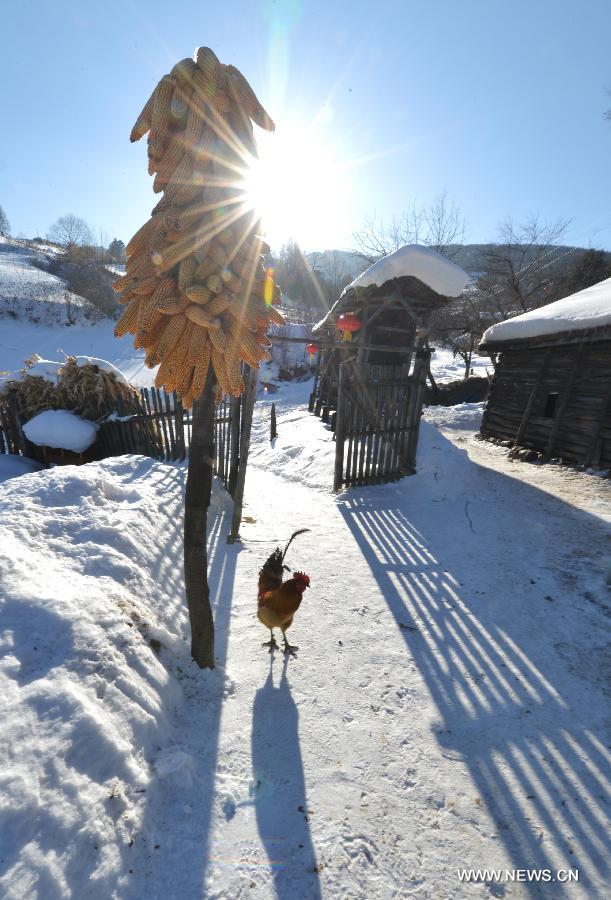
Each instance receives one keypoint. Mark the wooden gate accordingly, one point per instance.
(377, 422)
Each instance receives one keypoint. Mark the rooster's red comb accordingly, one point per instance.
(301, 576)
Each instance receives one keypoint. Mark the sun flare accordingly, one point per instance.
(299, 188)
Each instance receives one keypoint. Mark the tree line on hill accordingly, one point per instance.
(526, 268)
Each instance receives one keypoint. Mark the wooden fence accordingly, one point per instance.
(153, 424)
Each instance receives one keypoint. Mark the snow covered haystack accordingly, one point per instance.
(83, 384)
(550, 391)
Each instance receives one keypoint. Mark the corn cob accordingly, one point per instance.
(149, 231)
(179, 104)
(184, 378)
(147, 286)
(161, 117)
(218, 362)
(242, 317)
(197, 314)
(172, 305)
(143, 122)
(200, 344)
(207, 62)
(200, 374)
(197, 293)
(183, 71)
(218, 338)
(248, 99)
(214, 283)
(218, 304)
(173, 330)
(148, 339)
(128, 320)
(232, 281)
(186, 272)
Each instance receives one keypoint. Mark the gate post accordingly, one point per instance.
(421, 364)
(340, 429)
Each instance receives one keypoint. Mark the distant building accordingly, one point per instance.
(552, 383)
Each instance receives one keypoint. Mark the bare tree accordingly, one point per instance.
(459, 326)
(70, 231)
(440, 226)
(522, 269)
(5, 226)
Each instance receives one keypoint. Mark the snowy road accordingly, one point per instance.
(448, 706)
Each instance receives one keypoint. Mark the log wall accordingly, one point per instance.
(518, 405)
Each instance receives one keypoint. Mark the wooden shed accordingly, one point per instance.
(551, 390)
(370, 387)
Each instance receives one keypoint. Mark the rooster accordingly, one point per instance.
(279, 600)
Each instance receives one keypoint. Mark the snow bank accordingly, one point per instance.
(589, 308)
(430, 267)
(12, 465)
(62, 429)
(93, 619)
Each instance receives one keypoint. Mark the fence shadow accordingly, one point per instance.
(280, 795)
(528, 732)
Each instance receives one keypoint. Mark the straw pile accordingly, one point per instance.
(195, 291)
(88, 390)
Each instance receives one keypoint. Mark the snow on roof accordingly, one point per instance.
(62, 429)
(430, 267)
(589, 308)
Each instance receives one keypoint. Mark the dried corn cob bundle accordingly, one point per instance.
(195, 291)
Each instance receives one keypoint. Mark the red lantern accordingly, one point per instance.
(312, 349)
(347, 324)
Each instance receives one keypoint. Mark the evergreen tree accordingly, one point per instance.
(116, 250)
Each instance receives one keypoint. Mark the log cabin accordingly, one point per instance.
(551, 390)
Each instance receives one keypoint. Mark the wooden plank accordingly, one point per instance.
(562, 404)
(170, 420)
(340, 430)
(235, 407)
(593, 451)
(250, 395)
(531, 399)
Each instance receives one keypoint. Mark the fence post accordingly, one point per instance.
(272, 425)
(421, 365)
(340, 429)
(250, 395)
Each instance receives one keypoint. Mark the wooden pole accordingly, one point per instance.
(249, 397)
(272, 425)
(197, 501)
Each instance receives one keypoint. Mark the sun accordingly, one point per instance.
(298, 186)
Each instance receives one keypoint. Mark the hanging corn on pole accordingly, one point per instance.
(196, 294)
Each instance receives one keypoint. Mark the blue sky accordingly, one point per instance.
(499, 103)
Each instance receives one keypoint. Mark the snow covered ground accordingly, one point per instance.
(448, 706)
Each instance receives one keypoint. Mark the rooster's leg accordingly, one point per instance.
(271, 643)
(288, 648)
